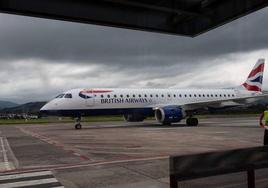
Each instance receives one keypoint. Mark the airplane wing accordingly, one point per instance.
(216, 103)
(222, 102)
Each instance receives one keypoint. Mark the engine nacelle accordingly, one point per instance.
(133, 117)
(169, 114)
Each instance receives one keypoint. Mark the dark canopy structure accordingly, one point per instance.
(179, 17)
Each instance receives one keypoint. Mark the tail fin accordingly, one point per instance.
(254, 80)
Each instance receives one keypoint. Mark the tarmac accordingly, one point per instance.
(119, 154)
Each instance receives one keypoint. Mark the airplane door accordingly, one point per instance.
(90, 99)
(88, 96)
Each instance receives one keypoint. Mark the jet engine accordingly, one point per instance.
(169, 114)
(133, 117)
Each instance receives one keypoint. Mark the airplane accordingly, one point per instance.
(166, 105)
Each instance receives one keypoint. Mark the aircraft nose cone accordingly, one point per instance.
(45, 110)
(49, 109)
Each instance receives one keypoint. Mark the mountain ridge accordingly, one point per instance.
(27, 108)
(7, 104)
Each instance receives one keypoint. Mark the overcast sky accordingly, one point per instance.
(40, 58)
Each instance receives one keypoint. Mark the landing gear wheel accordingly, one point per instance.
(78, 126)
(195, 121)
(192, 121)
(78, 123)
(188, 121)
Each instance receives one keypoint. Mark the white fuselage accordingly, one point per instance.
(112, 98)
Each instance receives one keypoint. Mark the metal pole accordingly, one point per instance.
(251, 178)
(173, 182)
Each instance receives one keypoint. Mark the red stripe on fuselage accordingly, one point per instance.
(260, 68)
(96, 91)
(251, 88)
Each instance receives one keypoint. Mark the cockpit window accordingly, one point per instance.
(60, 96)
(68, 95)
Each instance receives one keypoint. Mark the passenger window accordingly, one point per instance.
(145, 95)
(127, 96)
(211, 95)
(228, 95)
(190, 95)
(115, 96)
(180, 95)
(233, 95)
(216, 95)
(204, 95)
(199, 95)
(174, 95)
(207, 95)
(224, 95)
(108, 96)
(162, 95)
(156, 95)
(194, 95)
(139, 95)
(101, 96)
(185, 95)
(133, 96)
(151, 95)
(68, 96)
(121, 96)
(220, 95)
(168, 95)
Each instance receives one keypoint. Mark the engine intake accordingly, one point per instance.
(169, 114)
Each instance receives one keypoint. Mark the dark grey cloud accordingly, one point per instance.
(40, 57)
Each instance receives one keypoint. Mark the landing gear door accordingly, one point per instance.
(88, 95)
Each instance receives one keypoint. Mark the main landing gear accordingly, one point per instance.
(192, 121)
(78, 123)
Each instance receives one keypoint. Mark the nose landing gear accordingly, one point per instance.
(78, 123)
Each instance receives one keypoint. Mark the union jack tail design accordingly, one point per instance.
(254, 81)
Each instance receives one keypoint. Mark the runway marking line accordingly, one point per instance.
(28, 183)
(76, 165)
(31, 179)
(23, 175)
(55, 143)
(4, 152)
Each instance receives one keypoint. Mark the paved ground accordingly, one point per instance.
(119, 154)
